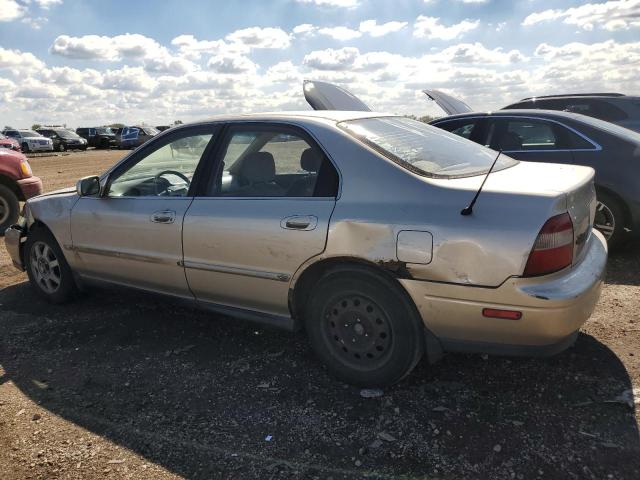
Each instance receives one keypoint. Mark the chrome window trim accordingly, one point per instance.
(596, 146)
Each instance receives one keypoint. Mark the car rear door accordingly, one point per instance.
(132, 233)
(265, 212)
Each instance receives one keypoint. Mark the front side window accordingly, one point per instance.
(165, 171)
(424, 149)
(265, 162)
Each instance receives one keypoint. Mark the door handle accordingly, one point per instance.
(299, 222)
(163, 216)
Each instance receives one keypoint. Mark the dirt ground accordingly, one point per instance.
(123, 384)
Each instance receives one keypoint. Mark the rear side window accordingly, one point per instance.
(464, 128)
(597, 108)
(523, 134)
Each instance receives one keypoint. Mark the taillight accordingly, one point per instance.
(553, 249)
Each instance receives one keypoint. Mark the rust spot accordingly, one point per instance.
(398, 268)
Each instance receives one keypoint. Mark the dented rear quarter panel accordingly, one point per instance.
(379, 198)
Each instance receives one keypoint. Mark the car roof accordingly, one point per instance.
(333, 115)
(520, 112)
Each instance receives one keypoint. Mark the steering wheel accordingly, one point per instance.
(180, 175)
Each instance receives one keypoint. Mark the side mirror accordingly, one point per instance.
(88, 186)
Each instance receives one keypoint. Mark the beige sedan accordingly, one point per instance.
(348, 224)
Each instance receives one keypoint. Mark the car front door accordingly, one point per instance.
(132, 233)
(265, 213)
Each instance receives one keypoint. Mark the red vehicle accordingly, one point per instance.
(17, 183)
(8, 142)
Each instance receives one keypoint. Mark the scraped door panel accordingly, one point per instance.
(242, 252)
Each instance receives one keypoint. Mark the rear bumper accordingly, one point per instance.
(553, 307)
(12, 239)
(30, 187)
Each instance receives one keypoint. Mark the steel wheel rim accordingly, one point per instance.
(357, 331)
(45, 267)
(604, 220)
(4, 210)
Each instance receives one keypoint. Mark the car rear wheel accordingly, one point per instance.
(9, 208)
(609, 219)
(364, 328)
(48, 270)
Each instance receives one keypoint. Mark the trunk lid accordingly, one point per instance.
(451, 105)
(326, 96)
(568, 188)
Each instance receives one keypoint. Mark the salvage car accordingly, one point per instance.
(17, 184)
(10, 143)
(64, 139)
(134, 136)
(29, 140)
(623, 110)
(98, 137)
(386, 238)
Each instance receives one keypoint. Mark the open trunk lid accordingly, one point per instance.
(451, 105)
(326, 96)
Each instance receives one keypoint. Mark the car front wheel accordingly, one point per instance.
(25, 147)
(48, 271)
(61, 147)
(9, 208)
(364, 328)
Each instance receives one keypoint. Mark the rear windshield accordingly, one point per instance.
(423, 149)
(609, 127)
(66, 134)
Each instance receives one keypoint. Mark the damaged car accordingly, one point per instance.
(385, 238)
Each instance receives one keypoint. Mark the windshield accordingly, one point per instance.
(424, 149)
(66, 134)
(29, 133)
(150, 131)
(104, 131)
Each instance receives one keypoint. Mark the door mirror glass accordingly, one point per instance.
(88, 186)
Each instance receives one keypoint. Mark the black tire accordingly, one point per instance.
(364, 327)
(610, 220)
(9, 208)
(61, 147)
(59, 277)
(25, 147)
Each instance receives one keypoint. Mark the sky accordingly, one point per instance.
(88, 63)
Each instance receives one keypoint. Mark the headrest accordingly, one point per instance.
(511, 141)
(259, 167)
(310, 160)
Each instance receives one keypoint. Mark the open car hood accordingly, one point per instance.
(326, 96)
(451, 105)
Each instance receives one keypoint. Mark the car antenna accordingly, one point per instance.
(468, 210)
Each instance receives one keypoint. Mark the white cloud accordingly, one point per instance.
(303, 29)
(10, 59)
(340, 33)
(478, 54)
(331, 59)
(94, 47)
(612, 15)
(128, 79)
(10, 10)
(46, 4)
(231, 64)
(333, 3)
(431, 28)
(256, 37)
(372, 28)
